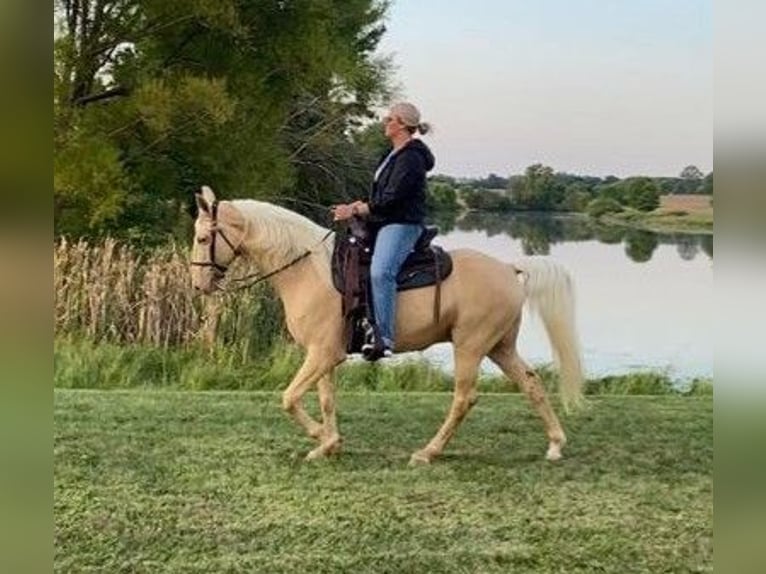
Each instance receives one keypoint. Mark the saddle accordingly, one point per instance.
(352, 255)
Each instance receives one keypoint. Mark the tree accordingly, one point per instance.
(441, 197)
(707, 184)
(691, 173)
(602, 206)
(614, 190)
(492, 181)
(642, 193)
(537, 189)
(577, 197)
(152, 98)
(690, 180)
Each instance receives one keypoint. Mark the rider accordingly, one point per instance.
(396, 209)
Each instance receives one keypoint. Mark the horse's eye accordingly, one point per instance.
(202, 240)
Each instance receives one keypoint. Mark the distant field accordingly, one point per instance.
(692, 204)
(158, 481)
(676, 214)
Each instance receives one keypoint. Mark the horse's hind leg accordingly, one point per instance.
(466, 369)
(505, 357)
(330, 440)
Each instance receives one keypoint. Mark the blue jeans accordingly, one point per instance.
(394, 243)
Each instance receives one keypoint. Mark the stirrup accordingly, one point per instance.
(374, 352)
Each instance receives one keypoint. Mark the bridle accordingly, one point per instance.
(221, 269)
(215, 232)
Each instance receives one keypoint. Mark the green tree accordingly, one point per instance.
(538, 189)
(485, 200)
(689, 180)
(441, 197)
(613, 190)
(692, 173)
(707, 184)
(153, 98)
(577, 196)
(642, 193)
(602, 206)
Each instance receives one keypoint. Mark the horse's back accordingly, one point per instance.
(486, 278)
(480, 291)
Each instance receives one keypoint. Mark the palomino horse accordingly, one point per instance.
(481, 306)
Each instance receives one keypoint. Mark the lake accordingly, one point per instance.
(644, 299)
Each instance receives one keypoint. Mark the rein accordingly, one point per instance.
(221, 269)
(259, 278)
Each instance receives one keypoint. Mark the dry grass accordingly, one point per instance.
(112, 292)
(691, 204)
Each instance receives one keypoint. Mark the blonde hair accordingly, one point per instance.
(410, 117)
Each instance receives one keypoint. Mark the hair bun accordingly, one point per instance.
(424, 127)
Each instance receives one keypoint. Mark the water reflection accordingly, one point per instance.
(537, 232)
(640, 244)
(641, 296)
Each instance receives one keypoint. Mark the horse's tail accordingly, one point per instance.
(550, 293)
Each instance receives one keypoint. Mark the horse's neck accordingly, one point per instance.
(300, 282)
(304, 277)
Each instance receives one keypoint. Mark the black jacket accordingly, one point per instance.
(399, 194)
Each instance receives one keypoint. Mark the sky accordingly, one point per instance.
(592, 87)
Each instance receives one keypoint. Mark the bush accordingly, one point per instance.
(603, 205)
(643, 194)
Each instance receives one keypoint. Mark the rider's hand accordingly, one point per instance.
(342, 212)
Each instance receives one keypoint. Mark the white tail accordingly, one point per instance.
(550, 294)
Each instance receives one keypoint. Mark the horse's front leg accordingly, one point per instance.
(330, 441)
(314, 367)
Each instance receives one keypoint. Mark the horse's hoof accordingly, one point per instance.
(315, 454)
(554, 452)
(420, 458)
(324, 450)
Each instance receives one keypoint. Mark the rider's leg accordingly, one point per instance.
(394, 243)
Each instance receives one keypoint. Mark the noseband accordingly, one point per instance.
(216, 231)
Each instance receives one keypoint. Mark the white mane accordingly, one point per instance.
(278, 235)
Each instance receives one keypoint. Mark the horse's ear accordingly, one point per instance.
(208, 194)
(205, 199)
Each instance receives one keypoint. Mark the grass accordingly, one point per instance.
(79, 363)
(158, 481)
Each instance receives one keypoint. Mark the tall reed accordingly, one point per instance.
(117, 293)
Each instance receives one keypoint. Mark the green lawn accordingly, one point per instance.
(158, 481)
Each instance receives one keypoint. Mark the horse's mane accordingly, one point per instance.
(280, 235)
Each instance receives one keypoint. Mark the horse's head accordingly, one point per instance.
(218, 234)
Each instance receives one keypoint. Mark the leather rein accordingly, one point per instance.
(256, 278)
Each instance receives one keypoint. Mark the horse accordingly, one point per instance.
(481, 312)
